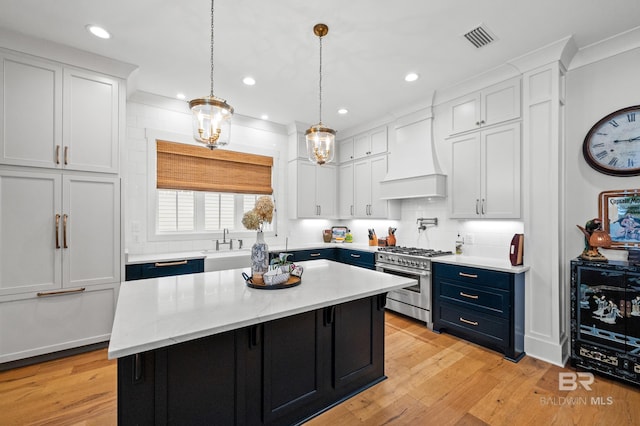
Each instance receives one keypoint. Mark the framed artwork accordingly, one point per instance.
(620, 214)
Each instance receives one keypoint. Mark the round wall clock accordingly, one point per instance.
(612, 146)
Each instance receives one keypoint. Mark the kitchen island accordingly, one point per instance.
(206, 349)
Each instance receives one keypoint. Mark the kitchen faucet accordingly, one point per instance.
(225, 232)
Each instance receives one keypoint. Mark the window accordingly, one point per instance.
(201, 192)
(180, 212)
(175, 210)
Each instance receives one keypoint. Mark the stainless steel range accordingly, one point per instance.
(414, 301)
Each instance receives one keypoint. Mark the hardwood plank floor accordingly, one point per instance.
(433, 379)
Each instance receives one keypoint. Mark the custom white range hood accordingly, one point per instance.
(413, 169)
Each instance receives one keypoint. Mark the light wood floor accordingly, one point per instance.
(433, 380)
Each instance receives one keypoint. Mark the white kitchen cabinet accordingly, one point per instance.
(345, 184)
(90, 128)
(32, 325)
(55, 116)
(367, 175)
(485, 174)
(493, 105)
(59, 260)
(370, 143)
(30, 111)
(345, 150)
(312, 190)
(58, 231)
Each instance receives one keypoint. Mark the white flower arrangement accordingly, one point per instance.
(261, 213)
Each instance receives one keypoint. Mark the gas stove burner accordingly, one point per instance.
(415, 251)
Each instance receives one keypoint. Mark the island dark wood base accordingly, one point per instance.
(276, 373)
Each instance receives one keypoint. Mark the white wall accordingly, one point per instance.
(593, 91)
(148, 113)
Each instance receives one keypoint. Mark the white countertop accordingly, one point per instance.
(481, 262)
(159, 312)
(166, 257)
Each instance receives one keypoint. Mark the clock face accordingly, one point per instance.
(612, 146)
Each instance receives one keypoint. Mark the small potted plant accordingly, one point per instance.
(279, 270)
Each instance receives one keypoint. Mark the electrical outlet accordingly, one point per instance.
(468, 239)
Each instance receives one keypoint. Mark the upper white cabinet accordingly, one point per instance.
(370, 143)
(90, 127)
(58, 232)
(54, 116)
(30, 111)
(493, 105)
(312, 190)
(485, 174)
(345, 150)
(368, 173)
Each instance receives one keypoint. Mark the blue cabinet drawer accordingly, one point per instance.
(477, 327)
(482, 298)
(163, 269)
(473, 276)
(302, 255)
(364, 259)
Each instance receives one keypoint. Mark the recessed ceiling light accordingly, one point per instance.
(343, 111)
(181, 96)
(98, 31)
(249, 81)
(264, 116)
(412, 76)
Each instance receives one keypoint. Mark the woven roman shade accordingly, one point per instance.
(189, 167)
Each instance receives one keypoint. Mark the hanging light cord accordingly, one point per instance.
(320, 83)
(211, 48)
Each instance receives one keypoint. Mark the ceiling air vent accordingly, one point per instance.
(480, 36)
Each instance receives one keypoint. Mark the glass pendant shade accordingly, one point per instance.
(320, 144)
(211, 121)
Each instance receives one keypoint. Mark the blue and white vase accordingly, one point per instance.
(259, 258)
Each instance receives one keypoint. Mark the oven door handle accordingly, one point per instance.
(403, 270)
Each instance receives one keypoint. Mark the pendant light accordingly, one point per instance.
(320, 139)
(211, 115)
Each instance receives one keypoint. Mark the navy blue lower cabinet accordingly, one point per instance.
(302, 255)
(280, 372)
(163, 269)
(363, 259)
(480, 305)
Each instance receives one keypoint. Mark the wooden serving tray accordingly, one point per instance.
(292, 282)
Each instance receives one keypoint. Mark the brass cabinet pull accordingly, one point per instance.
(66, 155)
(470, 296)
(462, 274)
(57, 231)
(180, 262)
(64, 230)
(57, 154)
(60, 292)
(474, 323)
(314, 254)
(357, 256)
